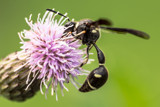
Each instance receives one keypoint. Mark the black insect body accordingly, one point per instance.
(88, 31)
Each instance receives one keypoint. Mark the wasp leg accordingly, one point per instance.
(76, 36)
(98, 76)
(80, 34)
(67, 34)
(87, 56)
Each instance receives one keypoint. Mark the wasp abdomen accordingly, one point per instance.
(95, 79)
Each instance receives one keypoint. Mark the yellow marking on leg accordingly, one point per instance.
(84, 62)
(91, 85)
(80, 34)
(69, 32)
(97, 75)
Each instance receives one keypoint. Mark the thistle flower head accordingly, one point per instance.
(53, 56)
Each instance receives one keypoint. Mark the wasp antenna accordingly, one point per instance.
(59, 13)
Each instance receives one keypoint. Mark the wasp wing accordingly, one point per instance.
(126, 30)
(102, 21)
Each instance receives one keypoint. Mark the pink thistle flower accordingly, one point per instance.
(53, 56)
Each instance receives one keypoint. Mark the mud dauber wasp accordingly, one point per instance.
(88, 31)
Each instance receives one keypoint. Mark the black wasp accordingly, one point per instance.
(88, 31)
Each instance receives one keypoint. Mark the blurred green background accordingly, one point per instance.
(133, 63)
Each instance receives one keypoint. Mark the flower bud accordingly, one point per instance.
(13, 76)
